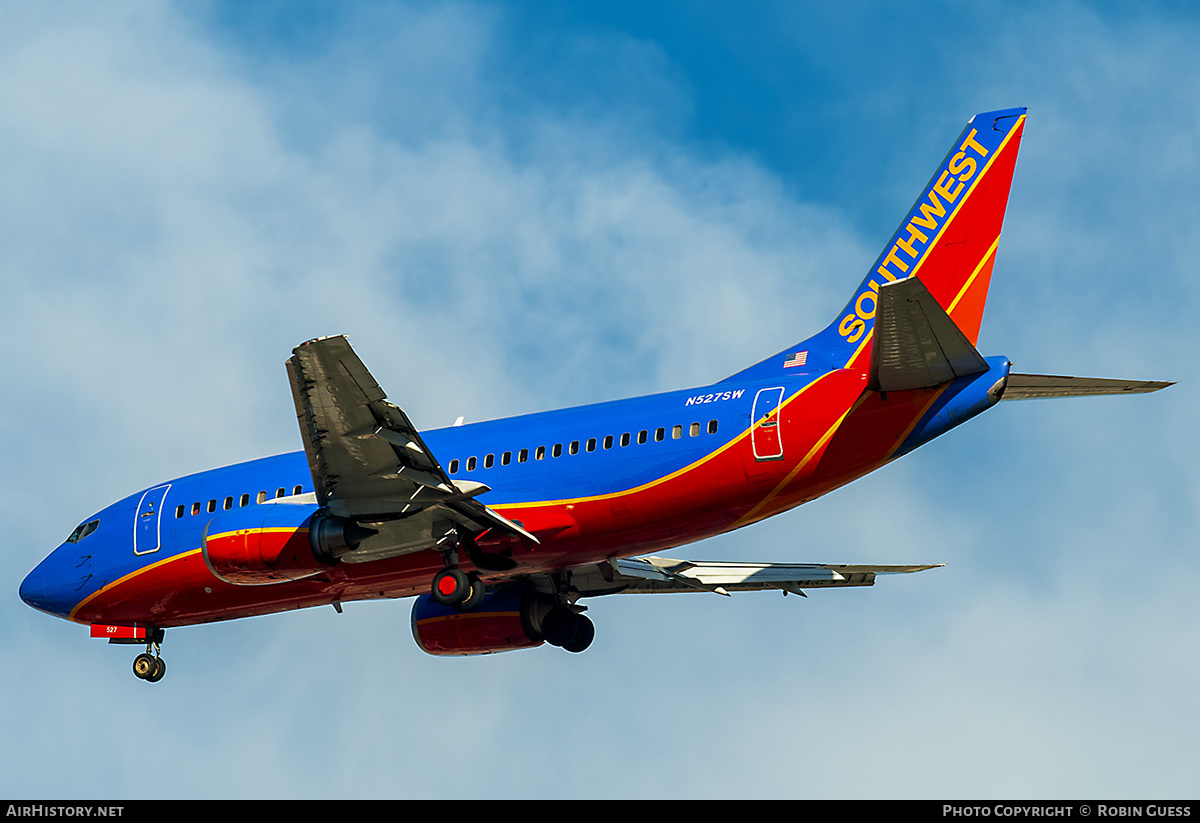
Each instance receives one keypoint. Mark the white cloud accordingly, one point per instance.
(180, 210)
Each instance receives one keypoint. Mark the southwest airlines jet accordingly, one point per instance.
(501, 528)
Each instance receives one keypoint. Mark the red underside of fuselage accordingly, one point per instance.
(833, 432)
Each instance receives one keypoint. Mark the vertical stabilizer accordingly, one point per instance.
(948, 238)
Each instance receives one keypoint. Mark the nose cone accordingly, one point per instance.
(47, 589)
(33, 589)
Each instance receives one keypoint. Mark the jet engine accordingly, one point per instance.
(511, 617)
(275, 542)
(502, 622)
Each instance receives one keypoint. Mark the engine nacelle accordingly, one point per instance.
(505, 621)
(273, 543)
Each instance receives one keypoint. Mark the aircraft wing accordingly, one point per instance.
(666, 575)
(368, 461)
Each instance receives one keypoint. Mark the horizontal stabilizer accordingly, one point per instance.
(916, 344)
(1032, 386)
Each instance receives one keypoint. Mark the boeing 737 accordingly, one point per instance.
(501, 528)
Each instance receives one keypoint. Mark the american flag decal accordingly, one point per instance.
(797, 359)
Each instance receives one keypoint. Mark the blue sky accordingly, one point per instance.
(517, 206)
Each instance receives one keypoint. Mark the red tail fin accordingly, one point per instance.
(950, 235)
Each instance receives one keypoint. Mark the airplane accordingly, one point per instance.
(500, 528)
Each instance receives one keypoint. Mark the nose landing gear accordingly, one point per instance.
(148, 665)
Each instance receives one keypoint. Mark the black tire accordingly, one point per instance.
(478, 592)
(144, 666)
(451, 587)
(585, 634)
(160, 671)
(560, 626)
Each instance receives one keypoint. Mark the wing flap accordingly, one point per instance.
(666, 575)
(364, 453)
(369, 462)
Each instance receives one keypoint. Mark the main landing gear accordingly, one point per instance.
(557, 618)
(552, 617)
(458, 589)
(452, 586)
(568, 629)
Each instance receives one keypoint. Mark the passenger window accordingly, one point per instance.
(676, 432)
(574, 447)
(454, 466)
(694, 430)
(489, 460)
(505, 458)
(280, 492)
(262, 497)
(523, 455)
(591, 444)
(625, 439)
(297, 490)
(712, 426)
(470, 464)
(540, 453)
(608, 441)
(228, 503)
(642, 435)
(660, 435)
(557, 450)
(196, 507)
(179, 511)
(212, 506)
(244, 501)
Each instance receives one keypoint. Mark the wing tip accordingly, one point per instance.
(320, 340)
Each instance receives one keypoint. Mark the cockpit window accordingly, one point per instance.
(83, 531)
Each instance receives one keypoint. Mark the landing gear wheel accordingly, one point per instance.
(567, 629)
(144, 665)
(478, 592)
(160, 670)
(455, 588)
(586, 634)
(451, 587)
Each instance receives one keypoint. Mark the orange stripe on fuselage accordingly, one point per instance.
(81, 612)
(832, 430)
(707, 497)
(865, 438)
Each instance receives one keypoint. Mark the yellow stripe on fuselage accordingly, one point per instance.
(121, 580)
(509, 507)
